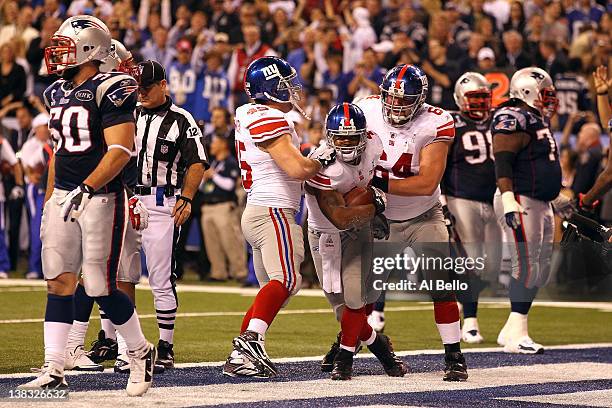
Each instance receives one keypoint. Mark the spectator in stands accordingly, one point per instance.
(222, 47)
(534, 30)
(475, 44)
(50, 9)
(161, 8)
(358, 37)
(324, 100)
(221, 125)
(304, 54)
(157, 49)
(477, 14)
(486, 60)
(378, 15)
(517, 18)
(182, 78)
(21, 28)
(459, 30)
(242, 56)
(367, 76)
(278, 30)
(335, 80)
(585, 12)
(441, 74)
(534, 7)
(36, 55)
(555, 26)
(101, 8)
(572, 92)
(214, 89)
(515, 56)
(224, 20)
(417, 34)
(485, 28)
(9, 12)
(12, 76)
(549, 59)
(225, 246)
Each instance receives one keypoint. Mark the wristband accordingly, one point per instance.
(182, 197)
(602, 93)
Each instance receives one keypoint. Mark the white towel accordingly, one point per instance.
(330, 248)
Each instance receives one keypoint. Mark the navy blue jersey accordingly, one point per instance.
(182, 81)
(212, 90)
(573, 95)
(536, 170)
(129, 175)
(470, 169)
(78, 117)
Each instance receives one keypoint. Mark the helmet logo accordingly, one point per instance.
(271, 71)
(536, 75)
(465, 80)
(79, 25)
(398, 89)
(350, 127)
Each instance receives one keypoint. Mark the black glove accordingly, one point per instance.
(380, 200)
(449, 219)
(380, 227)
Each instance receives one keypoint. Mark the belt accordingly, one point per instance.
(168, 191)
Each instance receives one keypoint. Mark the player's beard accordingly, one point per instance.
(69, 73)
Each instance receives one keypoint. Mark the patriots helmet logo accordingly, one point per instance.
(80, 25)
(119, 95)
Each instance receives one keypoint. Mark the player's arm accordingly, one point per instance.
(120, 141)
(602, 85)
(50, 179)
(333, 206)
(601, 186)
(431, 169)
(289, 158)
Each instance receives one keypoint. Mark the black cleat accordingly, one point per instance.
(343, 365)
(165, 354)
(103, 349)
(383, 350)
(455, 367)
(327, 364)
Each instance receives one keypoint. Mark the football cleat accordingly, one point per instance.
(141, 371)
(3, 275)
(251, 344)
(523, 345)
(383, 350)
(327, 364)
(343, 365)
(77, 360)
(377, 321)
(103, 349)
(455, 368)
(122, 365)
(165, 354)
(49, 377)
(238, 365)
(470, 333)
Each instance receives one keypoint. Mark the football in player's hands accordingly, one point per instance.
(359, 196)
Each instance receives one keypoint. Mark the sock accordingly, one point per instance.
(121, 344)
(245, 320)
(452, 348)
(59, 315)
(122, 314)
(268, 302)
(369, 308)
(83, 304)
(351, 324)
(367, 335)
(258, 326)
(165, 322)
(447, 320)
(521, 297)
(107, 326)
(470, 309)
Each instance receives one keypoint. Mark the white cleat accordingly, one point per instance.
(523, 345)
(141, 371)
(377, 321)
(470, 333)
(77, 360)
(3, 275)
(50, 377)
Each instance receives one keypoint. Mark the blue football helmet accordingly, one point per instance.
(345, 131)
(403, 92)
(272, 79)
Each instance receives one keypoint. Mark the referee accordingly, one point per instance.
(171, 162)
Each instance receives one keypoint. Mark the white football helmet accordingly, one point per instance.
(79, 39)
(120, 59)
(534, 86)
(473, 96)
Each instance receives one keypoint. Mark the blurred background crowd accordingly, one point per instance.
(340, 49)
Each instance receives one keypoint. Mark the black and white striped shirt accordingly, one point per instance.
(168, 141)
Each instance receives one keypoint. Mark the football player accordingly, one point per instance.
(469, 185)
(273, 170)
(92, 125)
(529, 180)
(337, 234)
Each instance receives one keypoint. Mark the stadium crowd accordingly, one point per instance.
(340, 49)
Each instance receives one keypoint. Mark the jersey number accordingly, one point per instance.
(545, 133)
(568, 102)
(246, 172)
(75, 136)
(402, 167)
(477, 143)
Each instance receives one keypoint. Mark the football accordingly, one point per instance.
(359, 196)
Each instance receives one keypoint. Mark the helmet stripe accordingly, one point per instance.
(347, 115)
(400, 76)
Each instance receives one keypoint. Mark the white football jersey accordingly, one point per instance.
(264, 181)
(401, 151)
(342, 177)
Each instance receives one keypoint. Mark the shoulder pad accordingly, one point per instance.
(116, 86)
(509, 120)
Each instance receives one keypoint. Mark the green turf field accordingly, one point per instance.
(208, 338)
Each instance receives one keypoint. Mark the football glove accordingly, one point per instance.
(75, 202)
(512, 210)
(139, 215)
(563, 206)
(324, 155)
(380, 200)
(17, 192)
(380, 227)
